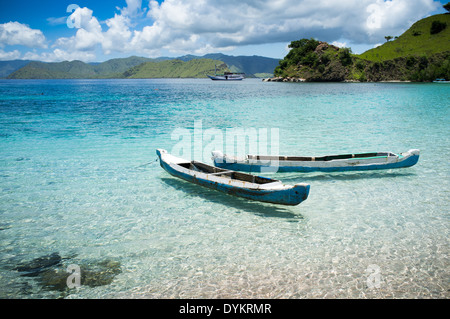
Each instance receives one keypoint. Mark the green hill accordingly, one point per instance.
(422, 53)
(60, 70)
(197, 68)
(418, 40)
(76, 69)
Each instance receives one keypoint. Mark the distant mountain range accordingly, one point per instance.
(188, 66)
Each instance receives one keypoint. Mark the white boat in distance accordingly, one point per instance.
(441, 81)
(227, 76)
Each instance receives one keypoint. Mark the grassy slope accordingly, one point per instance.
(197, 68)
(409, 44)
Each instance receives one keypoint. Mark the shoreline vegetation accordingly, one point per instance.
(420, 54)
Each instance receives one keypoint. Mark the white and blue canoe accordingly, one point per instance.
(330, 163)
(239, 184)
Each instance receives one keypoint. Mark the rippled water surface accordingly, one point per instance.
(74, 184)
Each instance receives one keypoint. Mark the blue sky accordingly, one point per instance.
(101, 30)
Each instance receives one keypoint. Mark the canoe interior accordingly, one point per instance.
(322, 158)
(204, 168)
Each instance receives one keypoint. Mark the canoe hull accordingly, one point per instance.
(290, 196)
(409, 159)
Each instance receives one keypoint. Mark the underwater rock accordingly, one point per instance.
(102, 274)
(4, 226)
(91, 274)
(52, 274)
(38, 265)
(54, 279)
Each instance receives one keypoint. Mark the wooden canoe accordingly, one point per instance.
(330, 163)
(239, 184)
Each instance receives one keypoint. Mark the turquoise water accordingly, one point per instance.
(73, 182)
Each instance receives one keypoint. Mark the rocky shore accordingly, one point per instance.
(293, 79)
(282, 79)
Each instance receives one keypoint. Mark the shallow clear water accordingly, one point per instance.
(72, 181)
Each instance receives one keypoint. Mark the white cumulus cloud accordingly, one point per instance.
(133, 8)
(219, 24)
(203, 26)
(11, 55)
(15, 33)
(118, 35)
